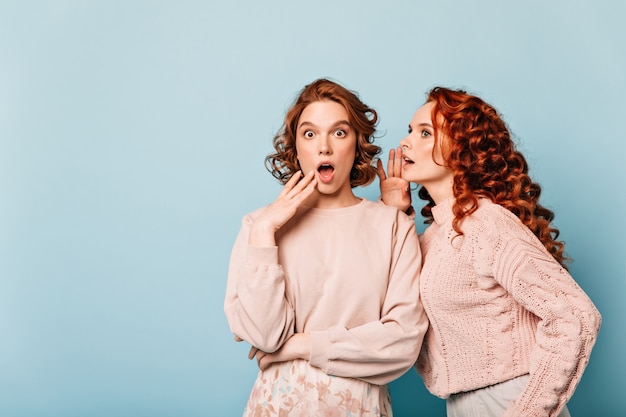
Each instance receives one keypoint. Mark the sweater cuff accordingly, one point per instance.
(262, 255)
(320, 348)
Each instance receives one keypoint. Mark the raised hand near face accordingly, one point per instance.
(394, 190)
(295, 192)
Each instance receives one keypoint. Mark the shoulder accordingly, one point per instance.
(495, 228)
(250, 217)
(378, 210)
(493, 219)
(378, 207)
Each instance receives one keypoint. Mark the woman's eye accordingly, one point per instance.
(425, 133)
(308, 134)
(340, 133)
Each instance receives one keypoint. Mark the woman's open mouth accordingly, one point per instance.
(327, 172)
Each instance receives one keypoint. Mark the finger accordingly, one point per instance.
(264, 362)
(391, 162)
(380, 170)
(304, 183)
(289, 185)
(259, 359)
(397, 163)
(306, 192)
(238, 339)
(253, 352)
(301, 191)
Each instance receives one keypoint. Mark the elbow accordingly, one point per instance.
(593, 323)
(402, 365)
(274, 340)
(268, 343)
(267, 347)
(407, 359)
(414, 355)
(590, 321)
(598, 320)
(267, 335)
(264, 340)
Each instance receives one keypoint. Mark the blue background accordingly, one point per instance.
(132, 138)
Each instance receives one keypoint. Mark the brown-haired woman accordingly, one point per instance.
(510, 330)
(324, 284)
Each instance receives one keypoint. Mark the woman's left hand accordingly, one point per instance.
(394, 190)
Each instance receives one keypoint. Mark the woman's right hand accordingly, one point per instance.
(294, 193)
(394, 191)
(297, 346)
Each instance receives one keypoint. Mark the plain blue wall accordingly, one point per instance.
(132, 138)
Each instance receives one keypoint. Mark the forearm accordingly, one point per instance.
(255, 305)
(262, 234)
(567, 330)
(361, 354)
(297, 347)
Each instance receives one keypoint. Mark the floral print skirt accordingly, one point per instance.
(297, 389)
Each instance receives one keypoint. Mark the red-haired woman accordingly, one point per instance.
(510, 330)
(324, 284)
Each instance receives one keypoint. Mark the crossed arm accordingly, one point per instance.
(297, 346)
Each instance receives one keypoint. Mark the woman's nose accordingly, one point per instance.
(404, 144)
(324, 147)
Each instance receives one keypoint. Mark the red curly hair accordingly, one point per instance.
(363, 119)
(481, 154)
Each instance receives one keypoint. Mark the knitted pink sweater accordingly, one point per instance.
(500, 306)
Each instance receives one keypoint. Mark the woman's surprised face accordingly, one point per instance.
(326, 143)
(422, 158)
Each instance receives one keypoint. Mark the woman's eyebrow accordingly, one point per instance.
(337, 123)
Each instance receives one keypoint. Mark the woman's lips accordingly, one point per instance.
(326, 173)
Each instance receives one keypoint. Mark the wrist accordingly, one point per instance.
(406, 208)
(261, 235)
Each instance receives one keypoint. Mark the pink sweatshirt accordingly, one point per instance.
(347, 276)
(500, 306)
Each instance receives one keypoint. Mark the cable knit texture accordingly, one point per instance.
(500, 306)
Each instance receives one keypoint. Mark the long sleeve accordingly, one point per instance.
(382, 350)
(256, 305)
(566, 319)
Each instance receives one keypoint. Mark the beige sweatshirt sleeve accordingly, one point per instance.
(255, 304)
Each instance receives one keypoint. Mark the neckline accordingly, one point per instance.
(336, 210)
(442, 212)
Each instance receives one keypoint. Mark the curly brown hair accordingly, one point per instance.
(284, 163)
(485, 163)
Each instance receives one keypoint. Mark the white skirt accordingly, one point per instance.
(491, 401)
